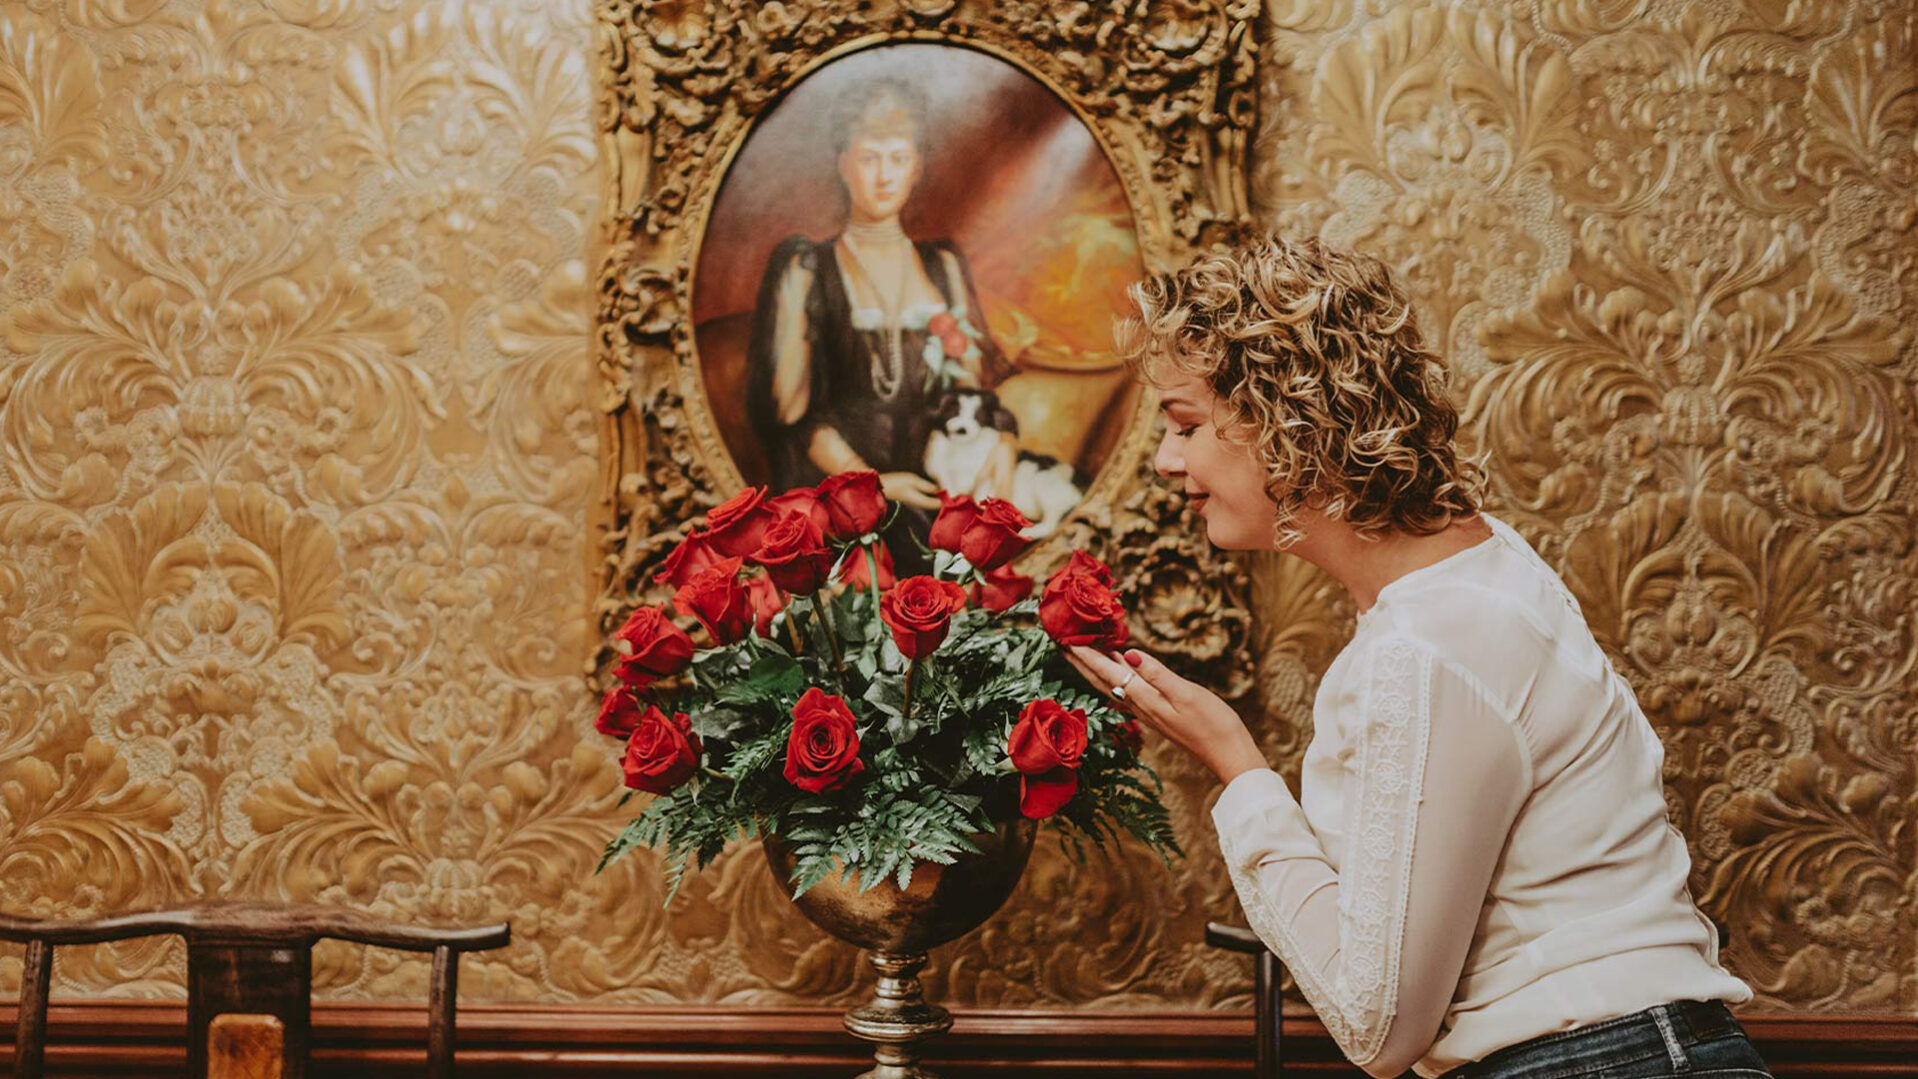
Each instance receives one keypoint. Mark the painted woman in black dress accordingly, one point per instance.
(847, 361)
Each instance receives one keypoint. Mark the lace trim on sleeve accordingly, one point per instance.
(1356, 1000)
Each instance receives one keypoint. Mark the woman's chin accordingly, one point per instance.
(1222, 536)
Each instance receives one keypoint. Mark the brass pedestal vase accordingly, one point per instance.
(898, 926)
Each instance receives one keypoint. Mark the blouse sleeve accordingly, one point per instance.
(791, 346)
(782, 382)
(1377, 944)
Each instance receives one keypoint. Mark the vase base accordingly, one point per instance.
(900, 1024)
(898, 1062)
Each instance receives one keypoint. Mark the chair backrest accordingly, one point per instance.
(249, 958)
(1266, 1061)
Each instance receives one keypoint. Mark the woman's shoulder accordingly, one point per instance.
(1497, 613)
(942, 246)
(802, 252)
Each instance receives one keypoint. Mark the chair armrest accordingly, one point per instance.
(1233, 938)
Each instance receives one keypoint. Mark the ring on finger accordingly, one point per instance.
(1118, 691)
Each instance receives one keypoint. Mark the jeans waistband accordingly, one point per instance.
(1661, 1030)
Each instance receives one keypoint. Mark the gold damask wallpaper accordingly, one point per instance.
(299, 459)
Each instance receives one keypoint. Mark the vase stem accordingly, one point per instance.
(899, 1019)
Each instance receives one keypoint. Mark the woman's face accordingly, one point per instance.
(1222, 477)
(879, 174)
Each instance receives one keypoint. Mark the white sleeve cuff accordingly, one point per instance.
(1247, 800)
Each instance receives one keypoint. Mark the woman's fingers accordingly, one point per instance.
(1154, 672)
(1141, 697)
(1195, 719)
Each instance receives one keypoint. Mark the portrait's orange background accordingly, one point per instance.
(1010, 174)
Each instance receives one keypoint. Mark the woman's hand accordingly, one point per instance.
(1192, 716)
(910, 488)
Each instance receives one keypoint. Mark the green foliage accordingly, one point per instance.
(902, 827)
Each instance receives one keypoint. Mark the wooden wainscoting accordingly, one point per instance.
(375, 1041)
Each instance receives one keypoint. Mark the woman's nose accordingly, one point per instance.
(1169, 460)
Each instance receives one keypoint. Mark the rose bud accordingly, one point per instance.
(656, 648)
(955, 513)
(1129, 734)
(662, 753)
(854, 503)
(766, 600)
(1001, 589)
(992, 538)
(734, 528)
(919, 612)
(822, 752)
(717, 598)
(854, 571)
(1081, 562)
(952, 340)
(1046, 746)
(1078, 607)
(694, 553)
(619, 713)
(795, 554)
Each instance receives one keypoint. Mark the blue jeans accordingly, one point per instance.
(1686, 1039)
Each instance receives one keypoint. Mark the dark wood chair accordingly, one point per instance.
(254, 959)
(1266, 1062)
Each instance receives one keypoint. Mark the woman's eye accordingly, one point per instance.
(1186, 432)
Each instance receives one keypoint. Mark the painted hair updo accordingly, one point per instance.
(879, 109)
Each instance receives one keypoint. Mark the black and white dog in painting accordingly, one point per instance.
(967, 440)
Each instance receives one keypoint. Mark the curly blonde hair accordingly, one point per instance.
(1316, 356)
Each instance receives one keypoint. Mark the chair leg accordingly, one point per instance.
(1266, 985)
(30, 1035)
(439, 1013)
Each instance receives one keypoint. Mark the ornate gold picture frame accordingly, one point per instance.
(1169, 100)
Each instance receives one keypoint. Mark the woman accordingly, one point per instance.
(1477, 879)
(852, 341)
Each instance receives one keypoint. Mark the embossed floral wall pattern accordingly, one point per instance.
(298, 460)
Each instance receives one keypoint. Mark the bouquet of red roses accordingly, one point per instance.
(874, 723)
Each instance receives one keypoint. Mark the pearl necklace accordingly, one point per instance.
(889, 371)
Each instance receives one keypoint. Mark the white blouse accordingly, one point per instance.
(1480, 853)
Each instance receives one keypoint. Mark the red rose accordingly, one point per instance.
(766, 600)
(1130, 735)
(1001, 589)
(823, 750)
(1046, 746)
(619, 713)
(955, 513)
(1081, 562)
(854, 503)
(795, 553)
(801, 500)
(919, 612)
(853, 570)
(734, 528)
(662, 753)
(694, 553)
(1078, 607)
(656, 648)
(951, 337)
(992, 538)
(717, 598)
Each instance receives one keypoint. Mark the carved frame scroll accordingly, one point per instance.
(1167, 88)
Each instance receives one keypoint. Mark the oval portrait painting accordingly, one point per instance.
(914, 265)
